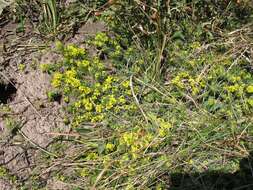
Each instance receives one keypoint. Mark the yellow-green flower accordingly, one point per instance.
(232, 88)
(177, 81)
(99, 108)
(87, 104)
(73, 51)
(44, 67)
(250, 101)
(73, 82)
(100, 39)
(83, 63)
(71, 73)
(77, 104)
(92, 156)
(109, 147)
(56, 82)
(195, 45)
(111, 102)
(250, 89)
(122, 100)
(84, 172)
(84, 89)
(129, 138)
(126, 84)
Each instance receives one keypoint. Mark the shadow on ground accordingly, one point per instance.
(216, 180)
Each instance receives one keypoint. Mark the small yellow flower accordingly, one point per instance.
(126, 84)
(84, 63)
(106, 87)
(250, 101)
(92, 156)
(162, 132)
(87, 104)
(164, 127)
(191, 162)
(71, 73)
(122, 100)
(129, 138)
(177, 81)
(66, 89)
(109, 80)
(73, 82)
(109, 147)
(56, 82)
(232, 88)
(96, 92)
(250, 89)
(195, 45)
(84, 172)
(99, 108)
(77, 104)
(134, 148)
(73, 51)
(66, 99)
(112, 101)
(85, 90)
(100, 39)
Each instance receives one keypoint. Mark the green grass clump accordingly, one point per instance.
(154, 24)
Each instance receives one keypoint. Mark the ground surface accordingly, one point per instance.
(176, 101)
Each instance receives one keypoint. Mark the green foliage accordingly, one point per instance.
(196, 113)
(212, 79)
(3, 172)
(154, 24)
(53, 96)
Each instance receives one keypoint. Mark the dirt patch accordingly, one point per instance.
(88, 30)
(37, 117)
(5, 185)
(33, 116)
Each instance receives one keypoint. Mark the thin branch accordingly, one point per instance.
(136, 99)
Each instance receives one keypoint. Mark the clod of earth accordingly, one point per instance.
(7, 92)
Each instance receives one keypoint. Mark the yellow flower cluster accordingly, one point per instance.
(232, 88)
(73, 51)
(164, 127)
(250, 101)
(96, 92)
(83, 64)
(184, 81)
(110, 147)
(250, 89)
(70, 78)
(57, 79)
(136, 142)
(100, 39)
